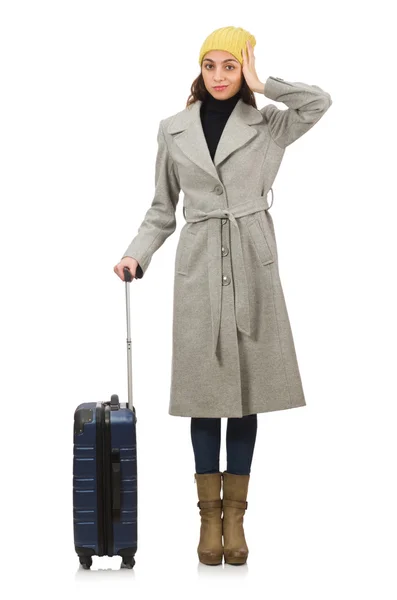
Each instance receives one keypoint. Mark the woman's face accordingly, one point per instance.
(220, 68)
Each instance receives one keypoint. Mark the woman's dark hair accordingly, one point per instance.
(200, 92)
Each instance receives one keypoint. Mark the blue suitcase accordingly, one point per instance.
(105, 473)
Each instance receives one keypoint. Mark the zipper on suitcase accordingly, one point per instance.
(102, 538)
(105, 480)
(108, 491)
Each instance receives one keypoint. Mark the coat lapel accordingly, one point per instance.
(188, 134)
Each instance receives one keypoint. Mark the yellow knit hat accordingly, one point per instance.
(230, 39)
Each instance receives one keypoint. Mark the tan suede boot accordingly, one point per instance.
(235, 489)
(210, 549)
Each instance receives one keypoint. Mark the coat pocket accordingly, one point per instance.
(183, 252)
(259, 239)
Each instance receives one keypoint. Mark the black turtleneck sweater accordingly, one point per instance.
(214, 113)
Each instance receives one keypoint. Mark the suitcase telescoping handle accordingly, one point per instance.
(128, 279)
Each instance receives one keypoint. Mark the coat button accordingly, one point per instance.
(225, 280)
(225, 251)
(218, 190)
(224, 221)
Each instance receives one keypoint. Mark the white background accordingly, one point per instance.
(84, 85)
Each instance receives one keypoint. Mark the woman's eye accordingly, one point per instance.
(209, 65)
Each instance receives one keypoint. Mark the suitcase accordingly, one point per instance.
(105, 473)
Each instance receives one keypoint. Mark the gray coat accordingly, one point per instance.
(233, 349)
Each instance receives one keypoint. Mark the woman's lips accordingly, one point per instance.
(220, 88)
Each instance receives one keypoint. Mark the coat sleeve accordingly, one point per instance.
(159, 221)
(306, 105)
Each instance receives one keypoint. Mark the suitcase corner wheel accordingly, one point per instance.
(127, 562)
(85, 561)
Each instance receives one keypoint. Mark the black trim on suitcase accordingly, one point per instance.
(81, 417)
(102, 543)
(108, 524)
(108, 480)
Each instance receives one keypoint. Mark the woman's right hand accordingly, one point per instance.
(129, 262)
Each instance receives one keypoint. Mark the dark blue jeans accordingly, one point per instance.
(240, 443)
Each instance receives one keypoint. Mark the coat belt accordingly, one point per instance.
(239, 275)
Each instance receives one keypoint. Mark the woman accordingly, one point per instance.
(233, 350)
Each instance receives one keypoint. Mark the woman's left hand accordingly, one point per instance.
(249, 71)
